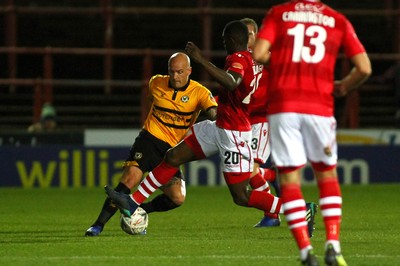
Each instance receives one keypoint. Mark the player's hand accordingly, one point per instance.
(339, 89)
(193, 51)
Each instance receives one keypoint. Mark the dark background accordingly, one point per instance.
(84, 106)
(155, 31)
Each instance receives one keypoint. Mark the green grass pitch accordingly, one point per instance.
(46, 227)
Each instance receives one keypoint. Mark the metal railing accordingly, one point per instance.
(44, 85)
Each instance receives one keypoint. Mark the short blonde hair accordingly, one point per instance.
(251, 21)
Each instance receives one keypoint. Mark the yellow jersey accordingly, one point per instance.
(174, 111)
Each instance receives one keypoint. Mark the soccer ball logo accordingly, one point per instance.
(136, 224)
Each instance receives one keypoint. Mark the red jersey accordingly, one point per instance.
(258, 102)
(233, 113)
(305, 39)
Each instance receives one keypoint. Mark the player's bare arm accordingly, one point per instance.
(261, 52)
(212, 113)
(359, 73)
(228, 80)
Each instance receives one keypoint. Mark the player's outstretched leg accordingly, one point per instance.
(333, 258)
(310, 216)
(124, 202)
(311, 259)
(107, 211)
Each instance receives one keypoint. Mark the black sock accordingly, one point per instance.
(161, 203)
(108, 210)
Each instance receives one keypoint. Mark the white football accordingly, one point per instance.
(136, 224)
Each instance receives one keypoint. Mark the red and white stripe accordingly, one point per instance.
(149, 185)
(331, 206)
(274, 205)
(295, 213)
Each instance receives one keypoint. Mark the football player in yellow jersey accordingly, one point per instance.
(176, 102)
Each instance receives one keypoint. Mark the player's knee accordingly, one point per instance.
(178, 200)
(322, 170)
(172, 158)
(239, 193)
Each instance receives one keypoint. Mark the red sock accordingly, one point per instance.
(269, 174)
(264, 201)
(258, 183)
(155, 179)
(330, 203)
(295, 213)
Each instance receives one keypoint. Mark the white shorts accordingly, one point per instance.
(296, 138)
(260, 142)
(233, 146)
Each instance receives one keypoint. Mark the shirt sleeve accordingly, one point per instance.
(236, 63)
(207, 100)
(351, 44)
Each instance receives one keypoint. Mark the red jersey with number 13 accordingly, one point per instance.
(233, 113)
(305, 39)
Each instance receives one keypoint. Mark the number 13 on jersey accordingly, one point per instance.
(301, 51)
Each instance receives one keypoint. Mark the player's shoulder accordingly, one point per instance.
(240, 55)
(159, 79)
(197, 87)
(245, 53)
(244, 58)
(340, 20)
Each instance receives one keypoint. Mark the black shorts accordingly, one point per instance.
(147, 152)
